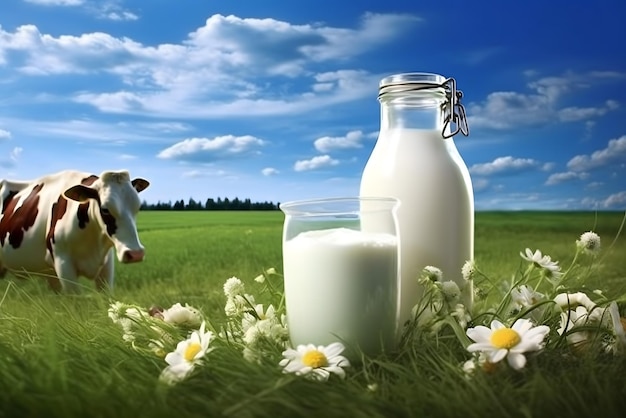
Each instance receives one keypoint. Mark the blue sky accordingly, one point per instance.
(276, 100)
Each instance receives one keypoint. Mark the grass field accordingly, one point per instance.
(61, 356)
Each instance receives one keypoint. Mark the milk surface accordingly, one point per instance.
(342, 285)
(436, 212)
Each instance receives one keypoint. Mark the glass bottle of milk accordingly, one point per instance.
(416, 161)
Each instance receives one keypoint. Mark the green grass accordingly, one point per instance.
(61, 356)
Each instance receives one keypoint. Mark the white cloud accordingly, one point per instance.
(314, 163)
(57, 2)
(558, 178)
(616, 200)
(4, 134)
(328, 143)
(503, 164)
(127, 157)
(228, 67)
(614, 152)
(204, 149)
(269, 171)
(509, 109)
(13, 158)
(480, 184)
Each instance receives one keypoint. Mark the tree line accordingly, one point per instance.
(211, 204)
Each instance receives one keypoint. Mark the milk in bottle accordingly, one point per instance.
(416, 161)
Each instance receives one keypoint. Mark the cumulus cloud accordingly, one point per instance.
(204, 149)
(614, 152)
(4, 134)
(541, 104)
(616, 200)
(502, 165)
(230, 66)
(558, 178)
(269, 171)
(329, 143)
(315, 163)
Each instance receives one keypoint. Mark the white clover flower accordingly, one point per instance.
(524, 296)
(468, 270)
(500, 342)
(550, 268)
(238, 305)
(179, 315)
(433, 273)
(316, 363)
(187, 355)
(233, 287)
(589, 242)
(264, 324)
(572, 300)
(450, 291)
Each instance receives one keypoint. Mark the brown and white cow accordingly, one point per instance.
(66, 225)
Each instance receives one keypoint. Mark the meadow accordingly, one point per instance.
(61, 356)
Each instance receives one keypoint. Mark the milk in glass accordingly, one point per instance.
(341, 285)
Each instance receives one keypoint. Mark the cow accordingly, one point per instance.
(69, 224)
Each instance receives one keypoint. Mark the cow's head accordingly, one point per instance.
(117, 206)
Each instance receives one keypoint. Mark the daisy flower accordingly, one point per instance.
(550, 268)
(179, 315)
(524, 296)
(187, 355)
(500, 342)
(315, 362)
(589, 242)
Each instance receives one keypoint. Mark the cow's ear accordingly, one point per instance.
(80, 193)
(140, 184)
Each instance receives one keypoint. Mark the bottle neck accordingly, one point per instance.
(396, 115)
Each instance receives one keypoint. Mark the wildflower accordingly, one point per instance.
(450, 291)
(237, 305)
(314, 362)
(233, 287)
(127, 316)
(524, 296)
(578, 318)
(433, 273)
(263, 324)
(187, 355)
(260, 278)
(179, 315)
(589, 242)
(480, 361)
(461, 314)
(572, 300)
(500, 342)
(469, 270)
(550, 268)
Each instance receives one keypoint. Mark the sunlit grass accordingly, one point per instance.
(61, 356)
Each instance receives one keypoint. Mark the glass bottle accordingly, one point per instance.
(416, 161)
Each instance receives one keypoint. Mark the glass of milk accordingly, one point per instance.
(341, 282)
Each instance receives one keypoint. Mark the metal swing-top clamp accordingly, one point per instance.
(454, 112)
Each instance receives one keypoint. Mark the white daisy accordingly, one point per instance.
(314, 362)
(179, 315)
(500, 342)
(589, 242)
(550, 268)
(233, 287)
(187, 355)
(524, 296)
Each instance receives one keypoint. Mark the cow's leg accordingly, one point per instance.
(66, 272)
(104, 279)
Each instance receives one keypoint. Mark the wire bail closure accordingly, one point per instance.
(455, 117)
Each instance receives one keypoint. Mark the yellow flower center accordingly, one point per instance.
(505, 338)
(314, 359)
(191, 351)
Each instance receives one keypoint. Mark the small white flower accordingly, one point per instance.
(576, 318)
(469, 270)
(237, 305)
(433, 273)
(179, 315)
(260, 278)
(524, 296)
(187, 355)
(461, 314)
(450, 291)
(233, 287)
(314, 362)
(572, 300)
(500, 342)
(270, 271)
(589, 242)
(550, 268)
